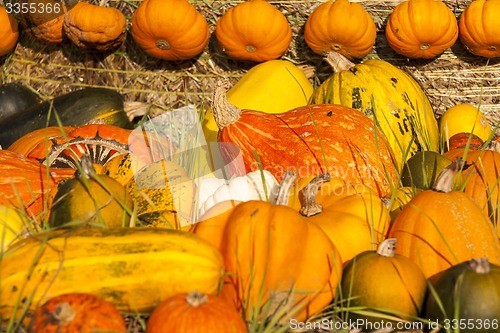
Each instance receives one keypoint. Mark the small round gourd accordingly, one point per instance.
(195, 312)
(383, 281)
(254, 30)
(9, 32)
(421, 28)
(464, 118)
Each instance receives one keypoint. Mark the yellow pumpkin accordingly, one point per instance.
(274, 86)
(13, 224)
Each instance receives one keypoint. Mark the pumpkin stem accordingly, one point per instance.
(88, 171)
(285, 187)
(64, 313)
(338, 62)
(307, 196)
(444, 182)
(387, 247)
(195, 299)
(224, 112)
(480, 265)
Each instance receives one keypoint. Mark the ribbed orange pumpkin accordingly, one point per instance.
(195, 312)
(421, 28)
(9, 32)
(77, 312)
(275, 258)
(311, 140)
(254, 30)
(340, 26)
(480, 28)
(169, 29)
(442, 227)
(95, 27)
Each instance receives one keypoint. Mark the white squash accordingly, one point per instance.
(256, 185)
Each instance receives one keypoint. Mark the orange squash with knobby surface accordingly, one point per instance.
(195, 312)
(77, 312)
(421, 28)
(254, 30)
(340, 26)
(442, 227)
(45, 23)
(311, 140)
(169, 29)
(273, 254)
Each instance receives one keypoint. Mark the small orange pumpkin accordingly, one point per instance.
(340, 26)
(169, 29)
(77, 312)
(254, 30)
(480, 28)
(195, 312)
(9, 32)
(421, 28)
(95, 27)
(442, 227)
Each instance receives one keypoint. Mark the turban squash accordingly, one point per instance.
(311, 140)
(388, 95)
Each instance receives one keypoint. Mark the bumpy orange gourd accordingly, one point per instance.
(195, 312)
(169, 29)
(340, 26)
(77, 312)
(310, 140)
(254, 30)
(46, 23)
(95, 27)
(421, 28)
(480, 28)
(442, 227)
(9, 32)
(273, 254)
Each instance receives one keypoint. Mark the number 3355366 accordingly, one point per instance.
(33, 7)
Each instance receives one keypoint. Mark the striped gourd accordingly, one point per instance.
(133, 268)
(388, 95)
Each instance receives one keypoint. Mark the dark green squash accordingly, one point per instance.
(78, 108)
(469, 293)
(15, 98)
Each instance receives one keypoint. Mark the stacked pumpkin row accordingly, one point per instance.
(175, 30)
(347, 164)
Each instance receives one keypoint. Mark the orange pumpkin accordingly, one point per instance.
(254, 30)
(95, 27)
(195, 312)
(480, 28)
(76, 312)
(9, 32)
(25, 183)
(340, 26)
(45, 24)
(273, 254)
(169, 29)
(421, 28)
(311, 140)
(442, 227)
